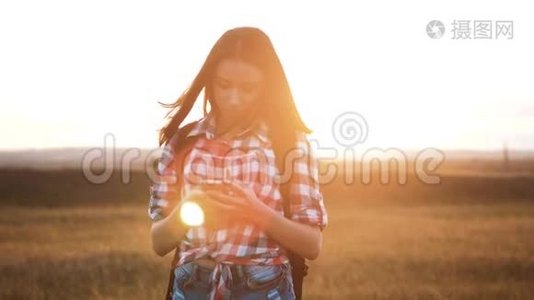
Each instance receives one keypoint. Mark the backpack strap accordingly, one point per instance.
(298, 263)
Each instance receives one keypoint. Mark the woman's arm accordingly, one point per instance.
(167, 232)
(305, 240)
(302, 233)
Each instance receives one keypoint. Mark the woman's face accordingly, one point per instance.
(237, 87)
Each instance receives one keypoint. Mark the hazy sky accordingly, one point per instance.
(72, 71)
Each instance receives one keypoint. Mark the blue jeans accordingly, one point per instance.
(193, 281)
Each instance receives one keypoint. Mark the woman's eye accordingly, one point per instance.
(222, 84)
(248, 88)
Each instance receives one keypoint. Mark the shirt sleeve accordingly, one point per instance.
(164, 185)
(307, 203)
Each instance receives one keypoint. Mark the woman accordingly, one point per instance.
(240, 250)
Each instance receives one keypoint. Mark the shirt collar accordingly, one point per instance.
(208, 123)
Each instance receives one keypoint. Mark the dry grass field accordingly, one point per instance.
(469, 237)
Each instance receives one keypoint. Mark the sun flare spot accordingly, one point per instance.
(191, 214)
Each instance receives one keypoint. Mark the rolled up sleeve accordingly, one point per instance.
(307, 202)
(164, 189)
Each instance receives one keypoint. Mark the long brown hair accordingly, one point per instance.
(253, 46)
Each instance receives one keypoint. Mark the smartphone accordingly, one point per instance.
(217, 185)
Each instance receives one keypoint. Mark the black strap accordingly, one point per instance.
(298, 263)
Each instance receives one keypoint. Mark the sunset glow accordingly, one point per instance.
(69, 80)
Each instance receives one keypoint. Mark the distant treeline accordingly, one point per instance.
(72, 187)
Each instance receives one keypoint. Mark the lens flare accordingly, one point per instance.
(191, 214)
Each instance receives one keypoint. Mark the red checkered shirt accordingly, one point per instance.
(248, 158)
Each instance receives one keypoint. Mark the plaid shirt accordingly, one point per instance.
(248, 158)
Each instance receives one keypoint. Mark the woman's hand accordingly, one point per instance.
(217, 215)
(239, 200)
